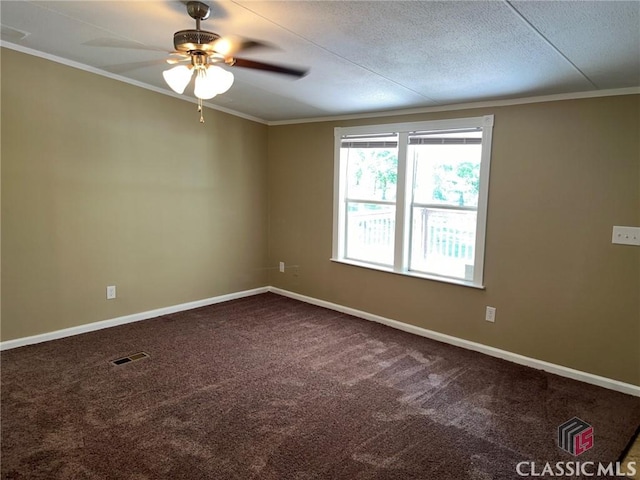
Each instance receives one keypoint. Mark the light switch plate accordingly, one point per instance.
(626, 235)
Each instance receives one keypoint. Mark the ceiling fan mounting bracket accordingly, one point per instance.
(196, 41)
(198, 10)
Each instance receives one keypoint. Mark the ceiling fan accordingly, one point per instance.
(204, 51)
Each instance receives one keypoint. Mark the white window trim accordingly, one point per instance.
(403, 197)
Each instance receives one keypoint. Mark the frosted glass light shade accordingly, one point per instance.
(212, 81)
(178, 77)
(205, 87)
(224, 78)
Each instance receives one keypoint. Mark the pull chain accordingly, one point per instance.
(200, 110)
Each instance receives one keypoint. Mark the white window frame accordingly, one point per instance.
(404, 195)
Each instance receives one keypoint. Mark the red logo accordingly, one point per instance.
(575, 436)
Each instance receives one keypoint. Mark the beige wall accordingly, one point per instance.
(562, 174)
(104, 183)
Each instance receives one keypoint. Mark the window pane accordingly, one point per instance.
(372, 167)
(447, 173)
(443, 242)
(370, 232)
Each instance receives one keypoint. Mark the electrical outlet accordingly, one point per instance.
(111, 292)
(626, 235)
(281, 267)
(490, 315)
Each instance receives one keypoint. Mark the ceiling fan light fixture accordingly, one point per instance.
(206, 50)
(178, 77)
(211, 81)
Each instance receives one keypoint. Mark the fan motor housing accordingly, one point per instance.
(198, 40)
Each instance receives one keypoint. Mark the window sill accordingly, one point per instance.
(381, 268)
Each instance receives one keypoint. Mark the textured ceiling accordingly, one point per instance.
(364, 56)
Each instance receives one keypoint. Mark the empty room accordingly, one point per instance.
(317, 239)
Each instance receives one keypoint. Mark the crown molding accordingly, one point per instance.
(466, 106)
(333, 118)
(113, 76)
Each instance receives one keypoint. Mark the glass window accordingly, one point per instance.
(371, 186)
(414, 201)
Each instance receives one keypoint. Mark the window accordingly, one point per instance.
(411, 198)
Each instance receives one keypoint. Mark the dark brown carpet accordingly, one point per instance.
(270, 388)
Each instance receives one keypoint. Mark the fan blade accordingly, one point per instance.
(120, 43)
(230, 45)
(173, 61)
(127, 67)
(177, 57)
(268, 67)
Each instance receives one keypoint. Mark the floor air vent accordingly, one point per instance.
(130, 358)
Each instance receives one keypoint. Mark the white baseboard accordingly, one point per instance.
(136, 317)
(423, 332)
(469, 345)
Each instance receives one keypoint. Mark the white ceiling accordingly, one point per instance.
(363, 56)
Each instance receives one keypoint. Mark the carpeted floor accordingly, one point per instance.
(270, 388)
(633, 455)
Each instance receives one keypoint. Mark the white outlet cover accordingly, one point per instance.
(490, 315)
(111, 292)
(626, 235)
